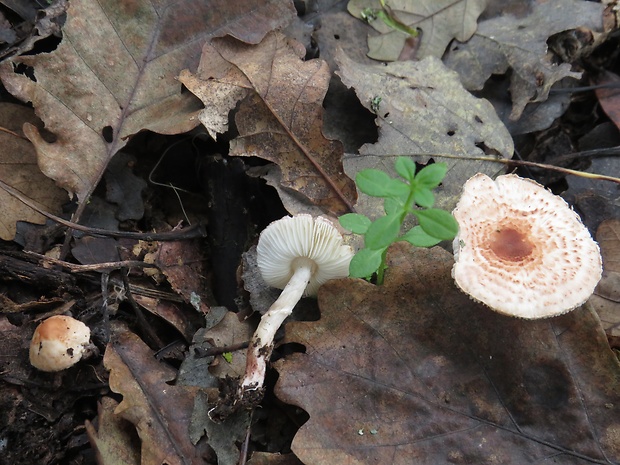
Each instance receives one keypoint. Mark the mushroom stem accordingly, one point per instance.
(262, 340)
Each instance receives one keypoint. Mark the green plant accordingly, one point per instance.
(412, 195)
(385, 14)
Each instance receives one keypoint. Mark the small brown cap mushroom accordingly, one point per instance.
(521, 249)
(290, 241)
(58, 343)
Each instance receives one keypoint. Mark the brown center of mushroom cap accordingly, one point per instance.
(510, 245)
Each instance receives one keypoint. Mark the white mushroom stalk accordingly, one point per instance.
(297, 254)
(521, 250)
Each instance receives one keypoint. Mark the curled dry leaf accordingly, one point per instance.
(521, 45)
(415, 372)
(160, 410)
(114, 74)
(280, 115)
(18, 168)
(112, 436)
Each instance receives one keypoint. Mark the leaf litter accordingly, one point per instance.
(408, 372)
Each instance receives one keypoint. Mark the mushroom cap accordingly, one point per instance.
(522, 250)
(58, 343)
(285, 242)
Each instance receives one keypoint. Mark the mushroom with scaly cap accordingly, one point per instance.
(59, 342)
(296, 254)
(521, 249)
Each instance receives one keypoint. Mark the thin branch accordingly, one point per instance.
(191, 232)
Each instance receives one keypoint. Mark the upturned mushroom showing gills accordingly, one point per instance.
(521, 250)
(296, 254)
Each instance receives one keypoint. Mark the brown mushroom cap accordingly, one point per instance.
(58, 343)
(289, 241)
(521, 249)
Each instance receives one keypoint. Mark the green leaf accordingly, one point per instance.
(431, 175)
(395, 205)
(405, 167)
(382, 232)
(228, 356)
(416, 236)
(377, 183)
(437, 223)
(365, 263)
(355, 222)
(424, 197)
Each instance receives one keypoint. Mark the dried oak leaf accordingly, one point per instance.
(160, 410)
(521, 45)
(608, 96)
(18, 168)
(114, 74)
(606, 298)
(439, 21)
(280, 114)
(112, 437)
(422, 109)
(415, 372)
(183, 264)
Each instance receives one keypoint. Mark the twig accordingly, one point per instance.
(148, 330)
(201, 353)
(246, 443)
(103, 267)
(583, 174)
(187, 233)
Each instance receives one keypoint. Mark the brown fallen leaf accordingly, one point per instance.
(266, 458)
(521, 45)
(439, 21)
(415, 372)
(182, 262)
(114, 74)
(160, 410)
(280, 114)
(113, 437)
(422, 109)
(609, 97)
(18, 168)
(606, 298)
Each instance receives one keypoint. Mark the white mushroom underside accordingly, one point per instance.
(558, 274)
(287, 239)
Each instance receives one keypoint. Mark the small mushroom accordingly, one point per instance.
(58, 343)
(522, 250)
(296, 254)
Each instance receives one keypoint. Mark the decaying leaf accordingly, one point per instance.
(113, 436)
(280, 116)
(415, 372)
(18, 168)
(183, 264)
(608, 97)
(606, 300)
(160, 410)
(521, 45)
(114, 74)
(439, 21)
(422, 110)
